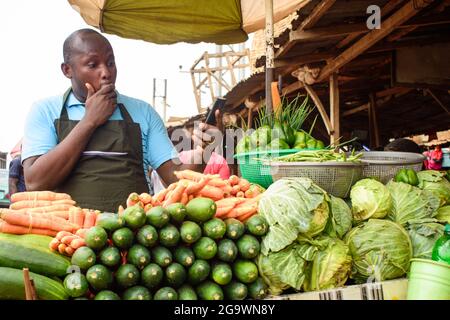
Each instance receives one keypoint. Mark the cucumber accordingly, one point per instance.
(177, 212)
(17, 253)
(205, 248)
(248, 246)
(221, 274)
(227, 250)
(245, 271)
(162, 256)
(184, 256)
(123, 238)
(139, 256)
(235, 228)
(158, 217)
(257, 289)
(134, 217)
(199, 271)
(106, 295)
(39, 241)
(166, 293)
(96, 238)
(214, 228)
(109, 257)
(84, 257)
(137, 293)
(169, 236)
(152, 276)
(190, 232)
(76, 284)
(110, 221)
(235, 291)
(209, 290)
(147, 236)
(12, 286)
(175, 275)
(127, 276)
(257, 225)
(99, 277)
(186, 292)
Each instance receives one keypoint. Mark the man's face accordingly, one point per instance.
(92, 62)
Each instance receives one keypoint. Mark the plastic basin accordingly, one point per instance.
(428, 280)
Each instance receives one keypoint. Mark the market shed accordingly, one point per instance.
(388, 82)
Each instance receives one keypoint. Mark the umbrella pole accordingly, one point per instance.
(269, 54)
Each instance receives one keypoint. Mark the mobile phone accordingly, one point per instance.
(218, 105)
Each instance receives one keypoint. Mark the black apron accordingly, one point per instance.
(103, 182)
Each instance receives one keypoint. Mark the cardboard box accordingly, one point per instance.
(386, 290)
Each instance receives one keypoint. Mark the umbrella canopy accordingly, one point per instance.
(192, 21)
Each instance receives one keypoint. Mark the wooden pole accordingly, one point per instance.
(374, 132)
(269, 54)
(334, 108)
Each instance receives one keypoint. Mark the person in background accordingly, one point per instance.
(403, 145)
(16, 177)
(434, 158)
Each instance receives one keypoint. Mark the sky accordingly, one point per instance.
(32, 33)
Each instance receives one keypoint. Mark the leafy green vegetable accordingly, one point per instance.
(443, 214)
(292, 206)
(330, 268)
(381, 249)
(411, 204)
(370, 199)
(423, 236)
(435, 182)
(340, 221)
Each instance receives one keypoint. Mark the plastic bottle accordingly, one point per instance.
(441, 249)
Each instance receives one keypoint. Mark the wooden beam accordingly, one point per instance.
(214, 69)
(334, 108)
(374, 132)
(439, 102)
(410, 9)
(316, 14)
(208, 75)
(321, 109)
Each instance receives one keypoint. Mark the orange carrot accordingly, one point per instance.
(244, 185)
(229, 202)
(190, 197)
(194, 188)
(250, 201)
(235, 189)
(90, 219)
(227, 189)
(217, 182)
(223, 211)
(71, 216)
(189, 175)
(147, 207)
(62, 214)
(62, 248)
(62, 234)
(15, 229)
(237, 212)
(77, 243)
(145, 198)
(39, 195)
(240, 194)
(81, 232)
(213, 193)
(78, 217)
(68, 239)
(69, 251)
(56, 207)
(120, 210)
(58, 202)
(249, 193)
(184, 198)
(54, 244)
(175, 195)
(233, 179)
(245, 217)
(160, 196)
(25, 204)
(29, 221)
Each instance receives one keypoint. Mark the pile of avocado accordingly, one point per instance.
(277, 138)
(173, 253)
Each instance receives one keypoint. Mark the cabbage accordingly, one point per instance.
(340, 221)
(411, 204)
(423, 236)
(435, 182)
(443, 214)
(292, 206)
(370, 199)
(330, 268)
(381, 250)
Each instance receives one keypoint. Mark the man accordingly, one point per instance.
(16, 181)
(95, 143)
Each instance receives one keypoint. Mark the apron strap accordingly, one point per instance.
(125, 115)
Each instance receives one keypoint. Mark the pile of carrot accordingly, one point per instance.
(44, 213)
(235, 197)
(66, 243)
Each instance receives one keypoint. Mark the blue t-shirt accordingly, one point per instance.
(40, 133)
(16, 172)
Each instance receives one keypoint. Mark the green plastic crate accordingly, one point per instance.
(256, 172)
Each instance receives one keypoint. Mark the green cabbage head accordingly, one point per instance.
(443, 214)
(340, 221)
(370, 200)
(435, 182)
(423, 236)
(381, 250)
